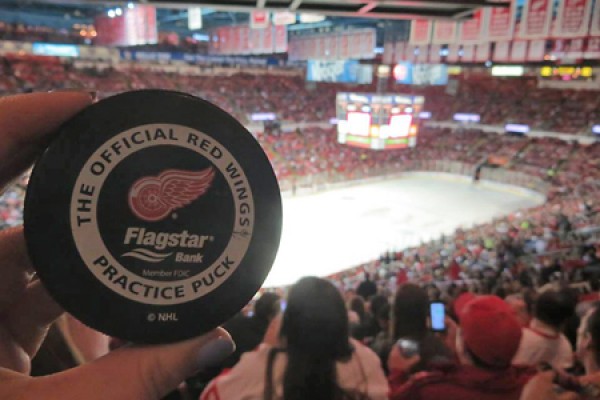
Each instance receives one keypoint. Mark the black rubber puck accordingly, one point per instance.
(154, 216)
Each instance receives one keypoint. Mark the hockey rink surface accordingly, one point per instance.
(329, 231)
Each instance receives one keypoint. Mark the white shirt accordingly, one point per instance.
(540, 343)
(246, 381)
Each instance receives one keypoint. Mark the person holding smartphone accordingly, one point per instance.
(414, 335)
(487, 340)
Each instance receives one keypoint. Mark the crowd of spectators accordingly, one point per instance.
(381, 345)
(497, 100)
(36, 33)
(82, 34)
(11, 204)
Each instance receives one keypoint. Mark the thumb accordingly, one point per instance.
(147, 373)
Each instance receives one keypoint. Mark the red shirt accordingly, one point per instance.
(454, 271)
(401, 277)
(463, 382)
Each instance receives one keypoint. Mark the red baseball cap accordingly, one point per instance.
(489, 329)
(461, 300)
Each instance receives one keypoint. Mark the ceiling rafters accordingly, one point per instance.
(295, 4)
(379, 9)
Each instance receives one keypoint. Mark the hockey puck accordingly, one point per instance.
(154, 216)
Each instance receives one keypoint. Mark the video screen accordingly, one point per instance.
(378, 121)
(347, 71)
(359, 123)
(400, 125)
(420, 74)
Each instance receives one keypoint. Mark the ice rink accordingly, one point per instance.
(337, 229)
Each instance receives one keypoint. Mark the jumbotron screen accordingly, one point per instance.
(378, 121)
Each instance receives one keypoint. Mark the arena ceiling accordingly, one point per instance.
(172, 15)
(379, 9)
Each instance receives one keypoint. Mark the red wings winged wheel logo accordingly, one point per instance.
(152, 198)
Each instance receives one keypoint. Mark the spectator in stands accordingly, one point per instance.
(580, 387)
(433, 292)
(519, 307)
(367, 288)
(372, 324)
(312, 357)
(410, 319)
(359, 318)
(588, 353)
(550, 271)
(488, 339)
(248, 332)
(543, 340)
(588, 344)
(563, 224)
(382, 341)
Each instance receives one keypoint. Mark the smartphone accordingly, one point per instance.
(437, 314)
(282, 305)
(408, 347)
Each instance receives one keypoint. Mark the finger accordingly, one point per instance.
(593, 378)
(129, 373)
(12, 356)
(28, 320)
(272, 334)
(15, 268)
(26, 122)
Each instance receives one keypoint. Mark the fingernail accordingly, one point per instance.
(92, 93)
(214, 352)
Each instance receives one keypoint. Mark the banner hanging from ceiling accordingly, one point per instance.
(573, 18)
(444, 32)
(420, 31)
(471, 31)
(536, 19)
(500, 22)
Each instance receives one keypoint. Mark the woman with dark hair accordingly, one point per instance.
(357, 318)
(372, 326)
(357, 305)
(411, 323)
(411, 309)
(313, 358)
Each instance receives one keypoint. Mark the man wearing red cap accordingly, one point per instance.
(487, 340)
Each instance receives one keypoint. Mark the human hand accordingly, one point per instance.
(593, 379)
(541, 387)
(26, 309)
(272, 334)
(450, 335)
(397, 363)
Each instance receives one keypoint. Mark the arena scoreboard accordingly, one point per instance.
(378, 121)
